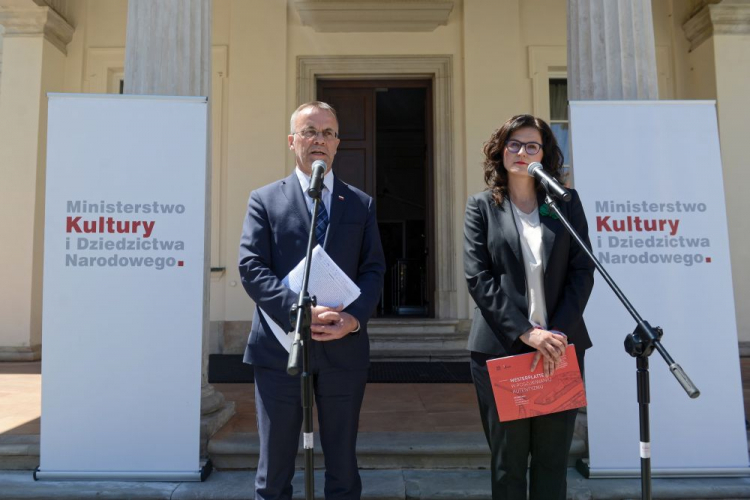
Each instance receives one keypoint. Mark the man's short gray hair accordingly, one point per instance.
(311, 104)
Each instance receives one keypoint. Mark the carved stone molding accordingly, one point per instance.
(730, 17)
(37, 21)
(371, 16)
(439, 68)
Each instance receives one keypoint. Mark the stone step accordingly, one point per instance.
(422, 484)
(375, 450)
(418, 340)
(19, 451)
(413, 326)
(380, 450)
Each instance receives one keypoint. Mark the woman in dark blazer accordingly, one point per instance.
(530, 281)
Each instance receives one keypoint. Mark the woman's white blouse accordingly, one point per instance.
(530, 232)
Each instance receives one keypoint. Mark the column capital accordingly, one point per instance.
(729, 17)
(27, 20)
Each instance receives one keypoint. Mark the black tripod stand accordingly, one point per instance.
(639, 344)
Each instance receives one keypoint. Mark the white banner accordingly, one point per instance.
(124, 274)
(650, 177)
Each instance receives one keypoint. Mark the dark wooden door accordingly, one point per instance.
(355, 160)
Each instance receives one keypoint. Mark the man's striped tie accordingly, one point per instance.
(322, 224)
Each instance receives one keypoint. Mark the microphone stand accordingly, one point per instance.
(301, 319)
(639, 344)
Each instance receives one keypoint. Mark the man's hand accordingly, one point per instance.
(318, 310)
(331, 323)
(550, 346)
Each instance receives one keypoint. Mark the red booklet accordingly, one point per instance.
(521, 393)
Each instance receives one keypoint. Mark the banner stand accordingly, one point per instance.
(125, 269)
(651, 182)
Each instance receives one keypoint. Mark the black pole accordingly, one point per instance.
(301, 317)
(307, 422)
(644, 398)
(639, 344)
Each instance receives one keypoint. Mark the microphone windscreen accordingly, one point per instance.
(319, 167)
(533, 167)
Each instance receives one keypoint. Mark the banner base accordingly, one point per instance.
(128, 476)
(585, 469)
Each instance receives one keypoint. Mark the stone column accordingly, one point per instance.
(611, 56)
(33, 58)
(168, 52)
(611, 51)
(719, 36)
(168, 47)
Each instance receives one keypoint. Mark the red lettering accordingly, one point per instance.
(123, 226)
(72, 225)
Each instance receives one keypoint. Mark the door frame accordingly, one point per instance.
(439, 69)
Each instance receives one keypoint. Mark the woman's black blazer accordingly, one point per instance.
(493, 264)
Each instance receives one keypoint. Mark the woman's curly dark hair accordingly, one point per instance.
(495, 175)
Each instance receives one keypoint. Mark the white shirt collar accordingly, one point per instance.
(304, 180)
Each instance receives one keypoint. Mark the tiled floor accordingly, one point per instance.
(387, 407)
(20, 398)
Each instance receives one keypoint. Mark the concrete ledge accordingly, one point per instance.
(21, 485)
(376, 485)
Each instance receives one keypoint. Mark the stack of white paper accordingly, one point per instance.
(328, 284)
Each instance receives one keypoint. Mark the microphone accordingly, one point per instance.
(319, 168)
(553, 187)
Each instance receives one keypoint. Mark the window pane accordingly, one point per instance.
(561, 131)
(558, 99)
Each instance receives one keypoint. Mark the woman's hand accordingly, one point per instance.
(550, 346)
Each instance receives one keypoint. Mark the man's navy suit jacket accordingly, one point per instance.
(274, 240)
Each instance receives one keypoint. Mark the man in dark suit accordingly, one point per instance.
(274, 240)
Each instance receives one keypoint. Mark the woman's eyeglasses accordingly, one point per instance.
(531, 148)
